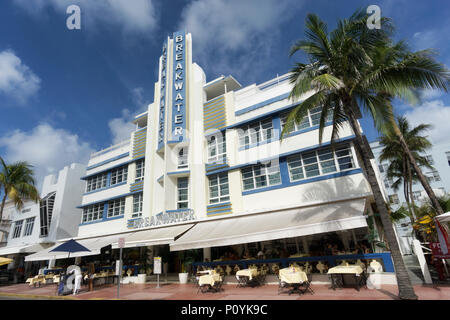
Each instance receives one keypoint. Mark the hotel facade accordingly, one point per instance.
(206, 169)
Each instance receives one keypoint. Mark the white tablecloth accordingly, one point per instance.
(292, 275)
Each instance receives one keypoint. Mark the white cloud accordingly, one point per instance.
(434, 113)
(425, 39)
(430, 94)
(136, 15)
(122, 127)
(17, 80)
(234, 36)
(47, 148)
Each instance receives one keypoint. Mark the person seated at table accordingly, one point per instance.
(260, 255)
(364, 249)
(358, 249)
(234, 256)
(329, 250)
(246, 255)
(334, 250)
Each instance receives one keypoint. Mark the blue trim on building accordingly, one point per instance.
(102, 220)
(112, 168)
(105, 188)
(331, 260)
(178, 172)
(107, 199)
(262, 104)
(317, 146)
(176, 210)
(294, 183)
(123, 155)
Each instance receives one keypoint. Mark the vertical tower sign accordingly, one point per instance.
(179, 87)
(162, 99)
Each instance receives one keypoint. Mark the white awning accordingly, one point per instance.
(93, 244)
(297, 222)
(29, 248)
(444, 217)
(155, 236)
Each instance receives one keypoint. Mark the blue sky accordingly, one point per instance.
(65, 93)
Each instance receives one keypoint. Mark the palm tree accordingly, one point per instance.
(400, 168)
(17, 184)
(345, 76)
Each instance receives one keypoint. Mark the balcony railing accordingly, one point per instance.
(111, 148)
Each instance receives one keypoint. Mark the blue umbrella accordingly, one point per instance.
(70, 247)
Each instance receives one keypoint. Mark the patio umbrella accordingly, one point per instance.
(70, 246)
(4, 261)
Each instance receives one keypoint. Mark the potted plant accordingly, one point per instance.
(183, 275)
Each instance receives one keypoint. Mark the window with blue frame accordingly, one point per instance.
(116, 207)
(310, 120)
(255, 132)
(140, 169)
(218, 188)
(119, 175)
(320, 162)
(260, 176)
(93, 213)
(137, 205)
(183, 193)
(96, 182)
(217, 148)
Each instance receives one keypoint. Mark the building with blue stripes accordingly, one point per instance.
(207, 169)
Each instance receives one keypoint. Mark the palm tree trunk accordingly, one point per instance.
(417, 169)
(2, 206)
(406, 189)
(406, 290)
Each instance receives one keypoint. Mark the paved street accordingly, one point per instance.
(175, 291)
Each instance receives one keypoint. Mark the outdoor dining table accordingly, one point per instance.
(36, 280)
(209, 281)
(351, 275)
(293, 277)
(247, 276)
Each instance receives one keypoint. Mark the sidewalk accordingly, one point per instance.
(173, 291)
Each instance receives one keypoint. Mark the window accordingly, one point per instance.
(182, 188)
(137, 205)
(310, 120)
(17, 229)
(93, 212)
(119, 175)
(386, 183)
(116, 207)
(96, 182)
(433, 176)
(416, 195)
(393, 198)
(256, 132)
(29, 224)
(183, 158)
(448, 157)
(26, 210)
(46, 212)
(260, 176)
(140, 169)
(383, 168)
(323, 161)
(217, 149)
(218, 188)
(429, 158)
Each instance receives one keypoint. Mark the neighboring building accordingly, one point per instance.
(439, 158)
(39, 225)
(206, 168)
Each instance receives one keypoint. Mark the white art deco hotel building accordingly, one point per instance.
(206, 169)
